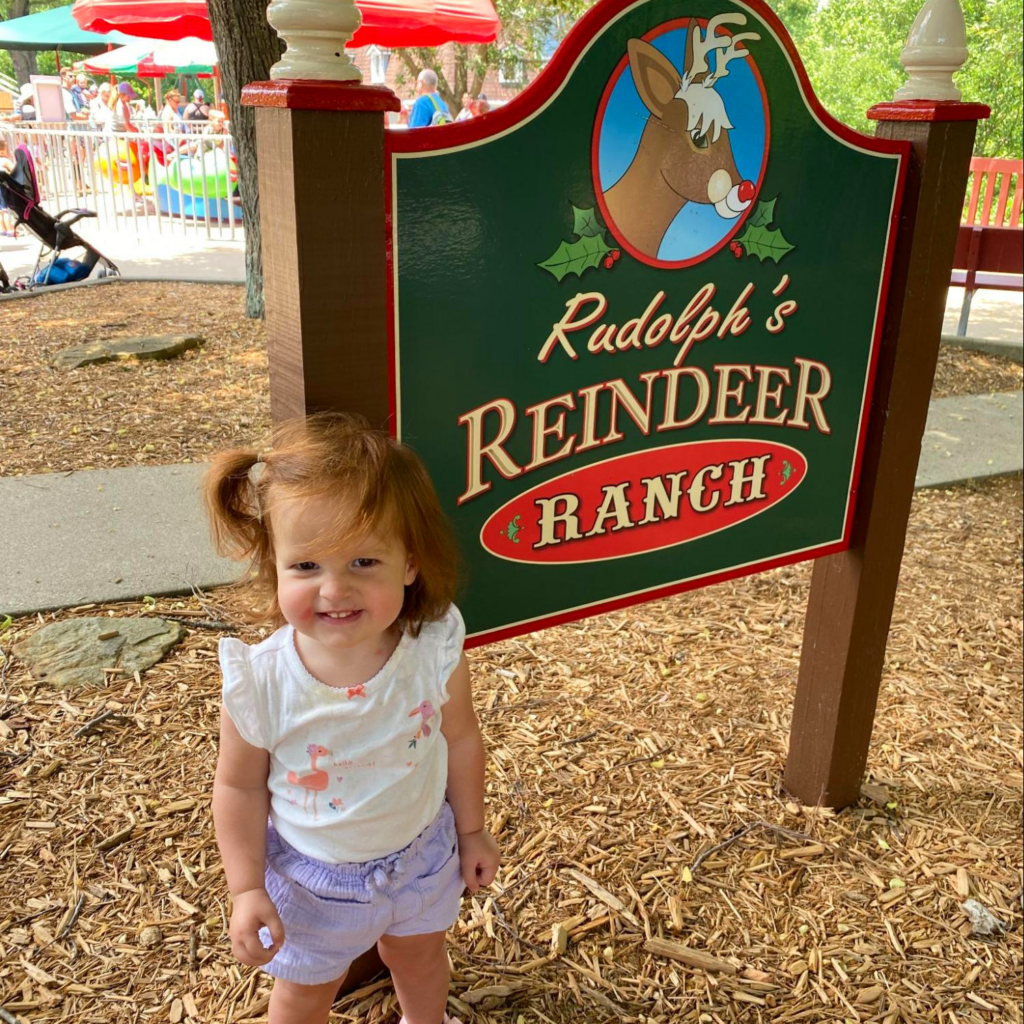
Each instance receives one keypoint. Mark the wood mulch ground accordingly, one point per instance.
(634, 782)
(131, 412)
(157, 413)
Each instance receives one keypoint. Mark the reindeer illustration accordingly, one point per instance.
(684, 154)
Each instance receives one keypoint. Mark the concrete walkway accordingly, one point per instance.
(144, 257)
(112, 535)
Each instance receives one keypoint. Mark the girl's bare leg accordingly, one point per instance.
(301, 1004)
(419, 971)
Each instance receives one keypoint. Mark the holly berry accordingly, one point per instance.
(738, 251)
(615, 254)
(609, 262)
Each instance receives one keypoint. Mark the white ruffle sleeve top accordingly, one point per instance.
(356, 773)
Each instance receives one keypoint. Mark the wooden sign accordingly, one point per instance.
(635, 314)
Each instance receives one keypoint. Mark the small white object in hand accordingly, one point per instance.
(265, 937)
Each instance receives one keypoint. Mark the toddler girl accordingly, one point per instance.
(353, 724)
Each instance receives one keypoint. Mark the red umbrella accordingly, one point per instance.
(385, 22)
(163, 19)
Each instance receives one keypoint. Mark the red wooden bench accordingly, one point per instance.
(990, 244)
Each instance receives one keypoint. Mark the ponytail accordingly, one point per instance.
(232, 501)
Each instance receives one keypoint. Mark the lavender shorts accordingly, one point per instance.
(332, 913)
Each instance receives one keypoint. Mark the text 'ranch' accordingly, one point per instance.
(660, 400)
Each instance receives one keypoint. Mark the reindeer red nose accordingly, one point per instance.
(746, 191)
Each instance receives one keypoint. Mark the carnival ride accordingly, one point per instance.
(191, 176)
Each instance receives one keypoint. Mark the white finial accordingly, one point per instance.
(315, 33)
(936, 48)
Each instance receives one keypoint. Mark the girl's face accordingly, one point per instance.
(344, 600)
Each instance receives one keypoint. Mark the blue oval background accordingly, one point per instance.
(697, 228)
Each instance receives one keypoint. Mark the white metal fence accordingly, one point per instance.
(143, 182)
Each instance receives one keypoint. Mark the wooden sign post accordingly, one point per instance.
(852, 593)
(658, 322)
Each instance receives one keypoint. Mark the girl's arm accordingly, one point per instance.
(241, 801)
(478, 852)
(465, 752)
(240, 804)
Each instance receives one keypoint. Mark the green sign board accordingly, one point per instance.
(635, 314)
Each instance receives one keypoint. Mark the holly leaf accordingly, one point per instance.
(584, 223)
(763, 214)
(765, 244)
(575, 257)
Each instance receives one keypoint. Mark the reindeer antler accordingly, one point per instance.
(728, 53)
(703, 45)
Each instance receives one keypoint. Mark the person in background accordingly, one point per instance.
(467, 107)
(169, 116)
(100, 115)
(198, 110)
(429, 108)
(481, 105)
(120, 108)
(67, 81)
(78, 119)
(80, 94)
(27, 108)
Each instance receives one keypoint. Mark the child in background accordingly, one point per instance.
(353, 723)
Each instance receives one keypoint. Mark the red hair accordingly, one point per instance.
(381, 485)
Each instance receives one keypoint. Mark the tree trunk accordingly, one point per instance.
(24, 65)
(24, 60)
(246, 46)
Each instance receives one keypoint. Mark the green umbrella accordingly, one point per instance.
(55, 30)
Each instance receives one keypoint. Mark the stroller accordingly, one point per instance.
(19, 190)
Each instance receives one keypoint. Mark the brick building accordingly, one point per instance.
(382, 67)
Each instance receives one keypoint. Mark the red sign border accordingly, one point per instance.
(522, 107)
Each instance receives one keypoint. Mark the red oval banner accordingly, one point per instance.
(643, 501)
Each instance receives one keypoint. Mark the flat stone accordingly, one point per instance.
(166, 346)
(71, 653)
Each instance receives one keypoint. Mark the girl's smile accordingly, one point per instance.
(339, 618)
(342, 600)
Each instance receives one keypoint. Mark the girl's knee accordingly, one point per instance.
(313, 997)
(409, 952)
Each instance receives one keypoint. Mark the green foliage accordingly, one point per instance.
(46, 62)
(16, 8)
(851, 51)
(529, 30)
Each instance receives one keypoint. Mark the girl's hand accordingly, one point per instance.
(480, 858)
(254, 910)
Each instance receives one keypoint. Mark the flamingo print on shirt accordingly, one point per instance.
(316, 780)
(426, 711)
